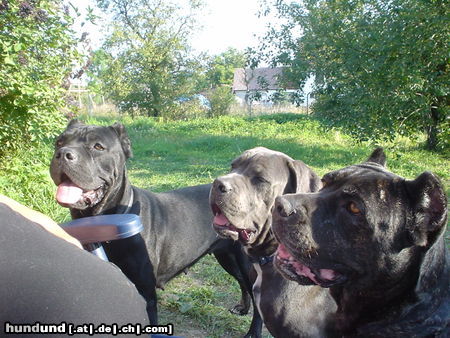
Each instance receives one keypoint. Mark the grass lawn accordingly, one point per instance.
(169, 155)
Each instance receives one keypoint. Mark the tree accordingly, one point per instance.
(217, 80)
(37, 54)
(381, 67)
(145, 63)
(220, 68)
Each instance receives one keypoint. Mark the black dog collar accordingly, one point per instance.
(262, 260)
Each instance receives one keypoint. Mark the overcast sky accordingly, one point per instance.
(226, 23)
(229, 23)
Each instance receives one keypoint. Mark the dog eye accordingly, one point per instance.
(353, 208)
(98, 146)
(59, 143)
(260, 179)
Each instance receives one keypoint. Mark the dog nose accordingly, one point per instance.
(283, 207)
(223, 186)
(66, 154)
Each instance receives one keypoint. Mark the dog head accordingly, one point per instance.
(88, 161)
(242, 200)
(366, 227)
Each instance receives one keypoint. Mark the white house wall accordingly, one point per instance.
(265, 96)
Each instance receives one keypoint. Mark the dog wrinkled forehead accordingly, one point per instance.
(363, 172)
(79, 133)
(82, 131)
(336, 175)
(259, 152)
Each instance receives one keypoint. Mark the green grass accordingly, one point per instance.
(173, 154)
(179, 153)
(25, 177)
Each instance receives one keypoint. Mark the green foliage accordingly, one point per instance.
(220, 68)
(381, 67)
(37, 52)
(283, 97)
(100, 62)
(187, 108)
(145, 64)
(24, 176)
(221, 99)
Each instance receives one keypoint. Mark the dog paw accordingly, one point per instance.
(239, 310)
(252, 335)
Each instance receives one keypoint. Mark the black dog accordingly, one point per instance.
(89, 169)
(242, 202)
(376, 240)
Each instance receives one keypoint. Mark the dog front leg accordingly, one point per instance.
(131, 256)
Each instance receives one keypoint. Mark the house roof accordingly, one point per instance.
(258, 79)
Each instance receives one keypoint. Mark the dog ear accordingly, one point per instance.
(378, 156)
(119, 129)
(429, 205)
(74, 123)
(301, 178)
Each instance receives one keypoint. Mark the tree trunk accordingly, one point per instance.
(432, 128)
(156, 104)
(437, 114)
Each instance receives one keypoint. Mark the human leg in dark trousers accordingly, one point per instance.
(48, 280)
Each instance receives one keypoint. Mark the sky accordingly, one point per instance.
(229, 23)
(226, 23)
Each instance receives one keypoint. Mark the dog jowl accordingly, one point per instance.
(376, 240)
(242, 202)
(88, 167)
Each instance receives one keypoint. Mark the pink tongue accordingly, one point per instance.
(328, 274)
(282, 252)
(303, 270)
(244, 235)
(220, 220)
(68, 193)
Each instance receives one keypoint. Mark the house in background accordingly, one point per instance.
(259, 85)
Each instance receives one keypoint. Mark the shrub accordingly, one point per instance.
(186, 110)
(36, 55)
(221, 100)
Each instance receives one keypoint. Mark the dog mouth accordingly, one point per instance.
(225, 228)
(69, 194)
(291, 268)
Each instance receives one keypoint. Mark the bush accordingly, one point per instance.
(221, 100)
(187, 110)
(37, 52)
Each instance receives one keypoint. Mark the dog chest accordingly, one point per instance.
(257, 288)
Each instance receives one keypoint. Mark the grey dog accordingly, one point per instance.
(242, 202)
(89, 168)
